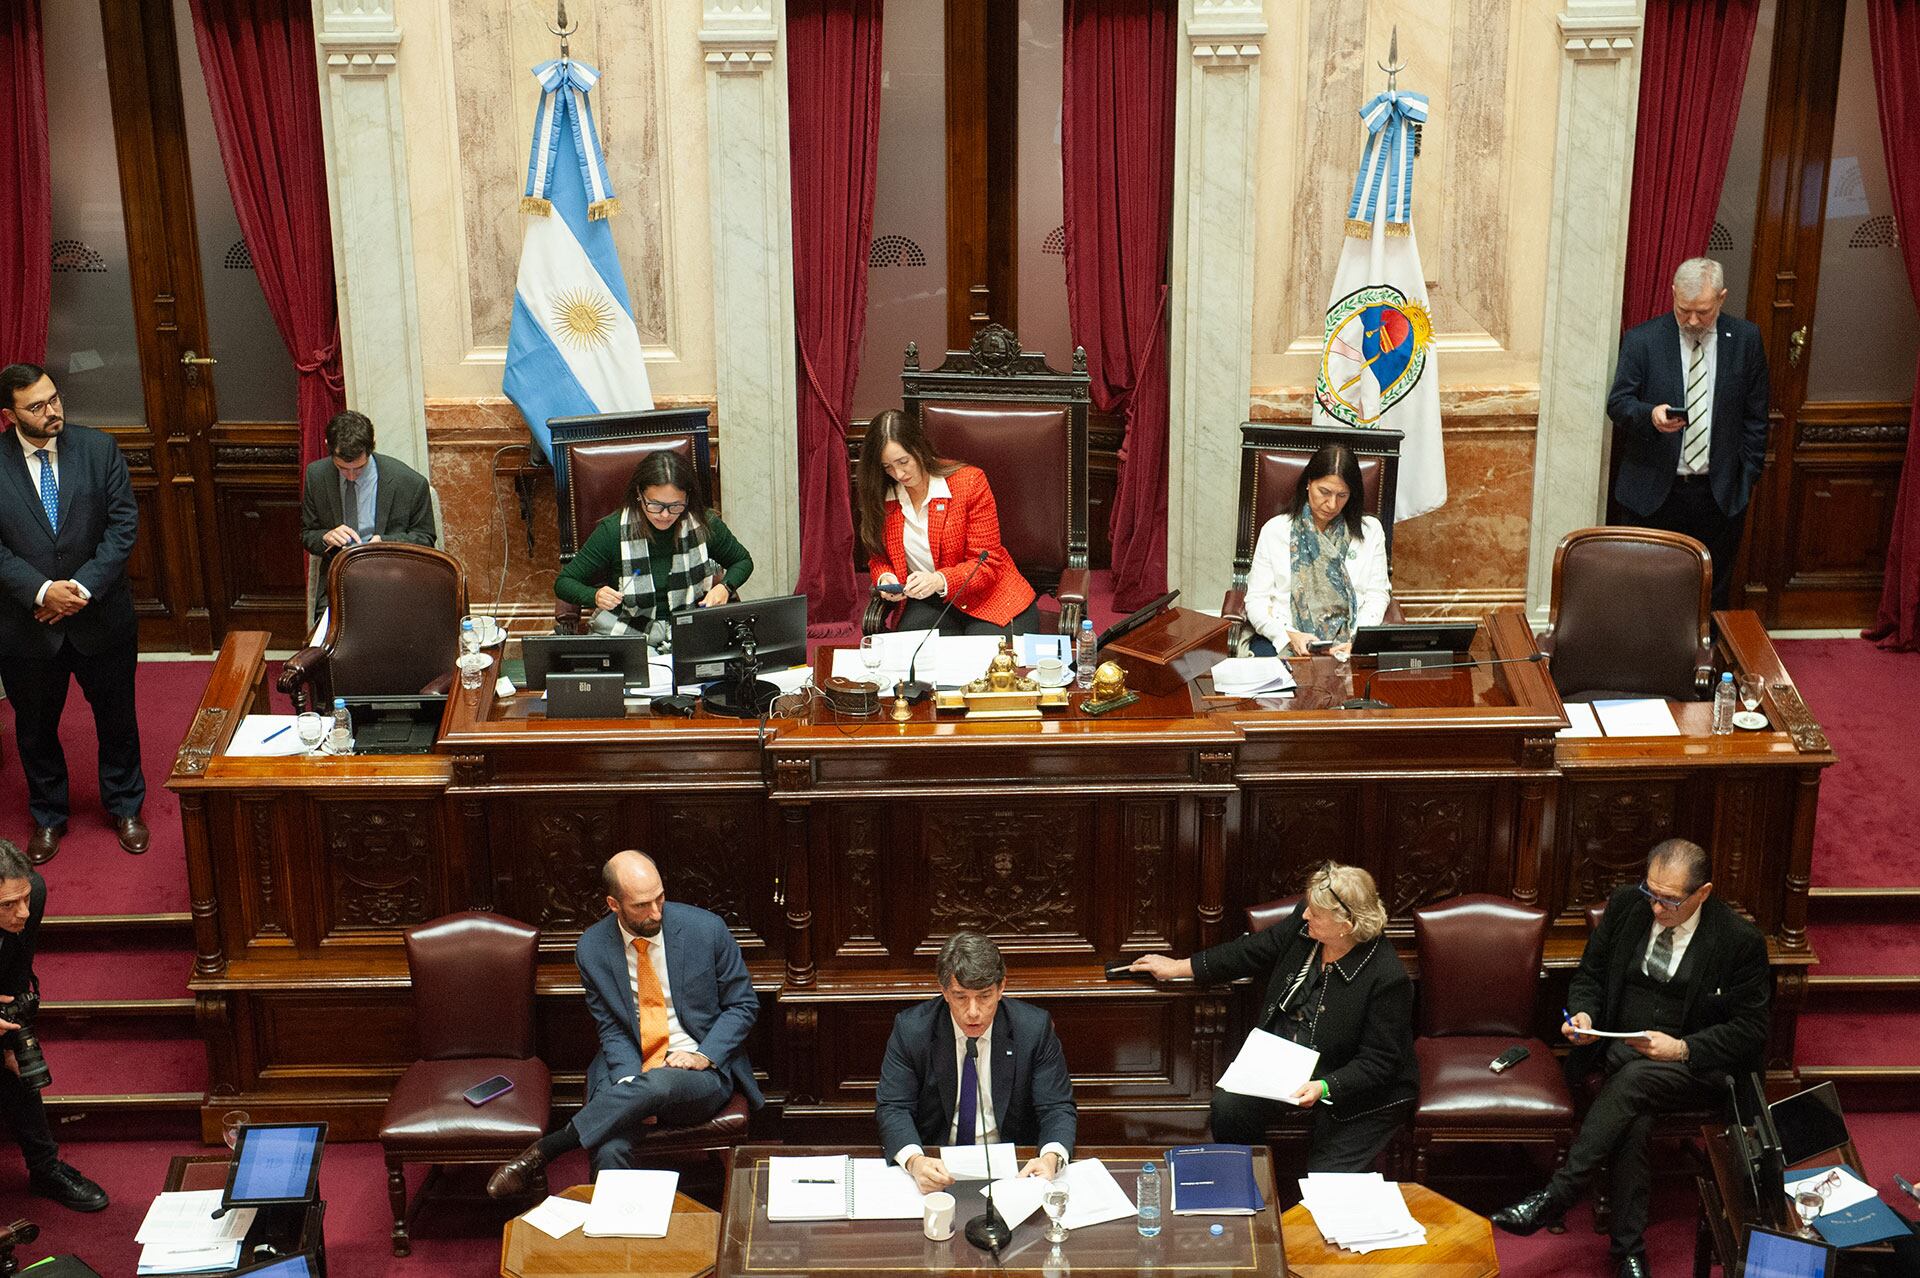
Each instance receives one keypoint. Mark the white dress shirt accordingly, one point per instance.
(985, 1129)
(678, 1040)
(52, 446)
(1710, 345)
(1270, 579)
(919, 549)
(1681, 935)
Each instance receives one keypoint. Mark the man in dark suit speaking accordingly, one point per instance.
(1690, 398)
(355, 494)
(67, 524)
(670, 995)
(971, 1066)
(1672, 961)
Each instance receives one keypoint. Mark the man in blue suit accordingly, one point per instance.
(67, 524)
(1690, 398)
(971, 1066)
(670, 995)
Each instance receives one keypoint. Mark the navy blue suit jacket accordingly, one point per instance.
(98, 521)
(711, 992)
(1649, 373)
(920, 1084)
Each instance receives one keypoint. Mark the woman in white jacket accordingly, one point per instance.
(1320, 570)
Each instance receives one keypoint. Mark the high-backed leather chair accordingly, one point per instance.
(473, 979)
(393, 627)
(1024, 424)
(593, 462)
(1273, 456)
(1479, 984)
(1630, 615)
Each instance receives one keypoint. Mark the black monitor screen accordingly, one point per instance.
(1433, 636)
(583, 654)
(1809, 1123)
(706, 639)
(1772, 1255)
(276, 1163)
(291, 1267)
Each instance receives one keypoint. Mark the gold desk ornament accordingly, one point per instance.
(902, 712)
(1109, 690)
(1002, 692)
(1002, 674)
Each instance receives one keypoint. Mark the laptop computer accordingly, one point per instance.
(599, 695)
(1771, 1254)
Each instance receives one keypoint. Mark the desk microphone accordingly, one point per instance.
(1366, 702)
(988, 1231)
(913, 689)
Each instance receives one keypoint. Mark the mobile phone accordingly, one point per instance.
(1320, 645)
(1676, 414)
(1906, 1187)
(1508, 1059)
(892, 588)
(1122, 970)
(494, 1088)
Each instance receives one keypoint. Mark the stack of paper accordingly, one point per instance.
(1269, 1066)
(971, 1162)
(557, 1217)
(1252, 677)
(266, 735)
(180, 1234)
(631, 1204)
(1360, 1212)
(1638, 717)
(1094, 1197)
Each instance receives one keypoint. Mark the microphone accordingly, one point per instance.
(988, 1231)
(1365, 702)
(913, 689)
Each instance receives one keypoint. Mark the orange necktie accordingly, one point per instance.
(652, 1009)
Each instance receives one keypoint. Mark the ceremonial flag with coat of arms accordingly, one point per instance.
(572, 348)
(1377, 363)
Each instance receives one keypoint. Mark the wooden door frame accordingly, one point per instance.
(983, 149)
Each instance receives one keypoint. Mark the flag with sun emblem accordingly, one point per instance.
(572, 348)
(1377, 364)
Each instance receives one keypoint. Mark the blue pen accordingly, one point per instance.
(271, 735)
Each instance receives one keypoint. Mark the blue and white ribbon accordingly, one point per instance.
(564, 86)
(1388, 162)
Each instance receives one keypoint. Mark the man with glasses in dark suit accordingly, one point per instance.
(1670, 960)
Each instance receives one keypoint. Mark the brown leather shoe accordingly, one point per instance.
(44, 843)
(515, 1177)
(133, 834)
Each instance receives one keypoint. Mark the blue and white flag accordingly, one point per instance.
(572, 348)
(1377, 365)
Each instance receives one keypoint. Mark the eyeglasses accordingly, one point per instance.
(39, 409)
(1671, 902)
(1324, 872)
(663, 507)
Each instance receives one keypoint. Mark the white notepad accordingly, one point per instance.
(634, 1203)
(836, 1187)
(1639, 717)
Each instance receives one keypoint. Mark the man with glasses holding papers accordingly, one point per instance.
(1670, 960)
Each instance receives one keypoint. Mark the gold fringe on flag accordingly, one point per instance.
(535, 205)
(1361, 230)
(601, 210)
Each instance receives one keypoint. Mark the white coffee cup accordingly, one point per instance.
(937, 1218)
(1050, 670)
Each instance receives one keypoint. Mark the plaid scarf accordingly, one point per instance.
(691, 575)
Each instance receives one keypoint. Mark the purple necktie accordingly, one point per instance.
(969, 1096)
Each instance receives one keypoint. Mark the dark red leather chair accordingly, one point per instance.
(1630, 615)
(393, 627)
(1479, 983)
(1263, 916)
(1273, 456)
(473, 979)
(1004, 410)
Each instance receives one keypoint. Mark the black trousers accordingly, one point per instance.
(1637, 1092)
(1691, 509)
(37, 686)
(607, 1123)
(1332, 1145)
(919, 614)
(21, 1107)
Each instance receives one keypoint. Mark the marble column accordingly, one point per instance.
(366, 140)
(749, 195)
(1216, 140)
(1586, 262)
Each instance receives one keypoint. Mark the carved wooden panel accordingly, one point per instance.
(143, 564)
(379, 863)
(850, 903)
(1437, 843)
(264, 567)
(1147, 842)
(555, 883)
(340, 1042)
(1290, 830)
(711, 854)
(264, 910)
(1022, 874)
(1609, 828)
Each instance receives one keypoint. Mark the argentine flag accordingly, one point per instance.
(572, 348)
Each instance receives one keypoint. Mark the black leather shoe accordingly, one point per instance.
(69, 1188)
(515, 1176)
(133, 834)
(44, 843)
(1634, 1266)
(1530, 1214)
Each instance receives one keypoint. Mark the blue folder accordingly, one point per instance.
(1214, 1180)
(1871, 1221)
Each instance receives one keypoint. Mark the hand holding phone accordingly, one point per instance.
(891, 588)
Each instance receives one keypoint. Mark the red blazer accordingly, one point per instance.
(958, 529)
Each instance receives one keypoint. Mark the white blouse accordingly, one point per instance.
(1269, 582)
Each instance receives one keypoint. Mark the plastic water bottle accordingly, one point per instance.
(340, 740)
(1724, 694)
(469, 637)
(1147, 1191)
(1085, 656)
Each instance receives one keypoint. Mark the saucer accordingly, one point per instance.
(1066, 677)
(1751, 720)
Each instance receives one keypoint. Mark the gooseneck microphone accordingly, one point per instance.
(988, 1231)
(1365, 700)
(913, 689)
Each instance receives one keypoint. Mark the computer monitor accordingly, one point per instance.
(285, 1267)
(1409, 646)
(275, 1163)
(1809, 1123)
(583, 654)
(727, 645)
(396, 725)
(1773, 1254)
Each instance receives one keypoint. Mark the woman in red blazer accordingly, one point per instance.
(932, 536)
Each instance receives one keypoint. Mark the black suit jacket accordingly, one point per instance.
(98, 523)
(1725, 1019)
(402, 507)
(920, 1084)
(1649, 373)
(1365, 1035)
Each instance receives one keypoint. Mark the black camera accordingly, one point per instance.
(24, 1043)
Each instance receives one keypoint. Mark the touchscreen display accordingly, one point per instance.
(1772, 1255)
(291, 1267)
(275, 1163)
(1809, 1123)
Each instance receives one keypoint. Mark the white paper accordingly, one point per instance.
(557, 1217)
(1360, 1212)
(969, 1162)
(1640, 717)
(1269, 1066)
(1251, 676)
(186, 1219)
(1850, 1191)
(1600, 1033)
(1028, 649)
(161, 1258)
(954, 661)
(631, 1204)
(884, 1191)
(808, 1188)
(1094, 1197)
(1580, 721)
(250, 739)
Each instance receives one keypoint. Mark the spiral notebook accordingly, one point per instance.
(837, 1187)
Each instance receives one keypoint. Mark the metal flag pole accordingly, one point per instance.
(560, 27)
(1393, 66)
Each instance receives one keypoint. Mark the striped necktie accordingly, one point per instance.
(1659, 963)
(1694, 443)
(49, 488)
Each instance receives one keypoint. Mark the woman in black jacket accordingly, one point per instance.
(1334, 984)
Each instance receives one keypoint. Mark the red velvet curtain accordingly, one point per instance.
(26, 216)
(263, 81)
(1116, 145)
(1693, 63)
(833, 101)
(1895, 29)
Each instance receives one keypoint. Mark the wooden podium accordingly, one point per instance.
(1166, 654)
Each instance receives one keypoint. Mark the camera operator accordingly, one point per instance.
(23, 899)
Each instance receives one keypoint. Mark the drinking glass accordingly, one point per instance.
(1806, 1205)
(472, 666)
(870, 653)
(1054, 1203)
(312, 730)
(230, 1124)
(1750, 689)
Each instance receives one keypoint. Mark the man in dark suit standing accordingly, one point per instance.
(1692, 973)
(971, 1066)
(355, 494)
(1690, 398)
(67, 524)
(671, 997)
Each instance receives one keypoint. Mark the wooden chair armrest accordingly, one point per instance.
(300, 674)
